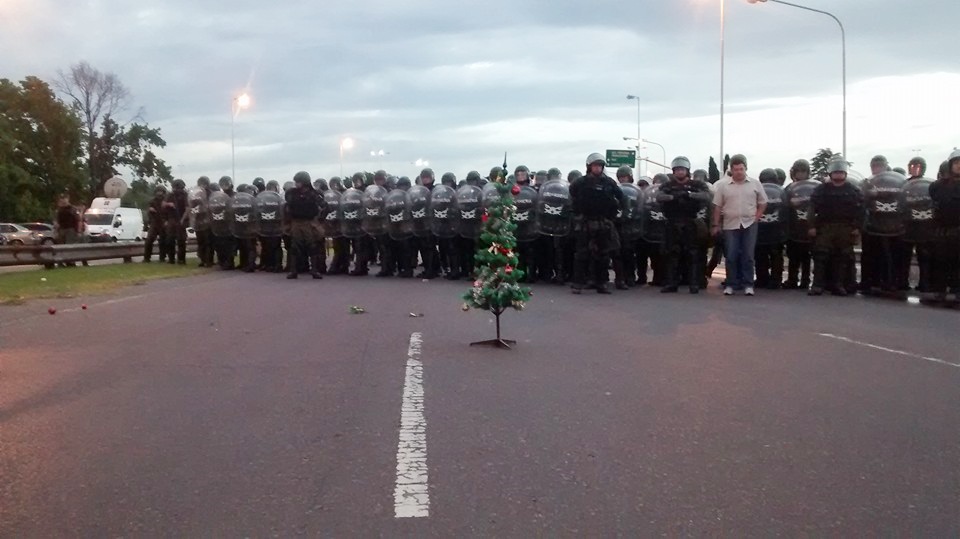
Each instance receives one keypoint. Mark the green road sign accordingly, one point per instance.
(618, 158)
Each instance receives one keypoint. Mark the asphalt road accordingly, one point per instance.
(248, 405)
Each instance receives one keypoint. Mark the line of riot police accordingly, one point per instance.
(575, 229)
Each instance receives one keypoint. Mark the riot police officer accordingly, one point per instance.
(916, 168)
(596, 199)
(302, 210)
(202, 229)
(340, 263)
(176, 217)
(771, 233)
(226, 246)
(625, 259)
(681, 199)
(945, 195)
(836, 217)
(156, 230)
(799, 255)
(426, 246)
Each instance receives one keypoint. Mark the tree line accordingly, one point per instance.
(67, 138)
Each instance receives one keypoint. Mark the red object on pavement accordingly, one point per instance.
(52, 310)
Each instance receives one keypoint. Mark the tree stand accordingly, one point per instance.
(498, 342)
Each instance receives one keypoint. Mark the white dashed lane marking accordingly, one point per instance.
(411, 496)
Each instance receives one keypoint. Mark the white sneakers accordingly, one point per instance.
(728, 291)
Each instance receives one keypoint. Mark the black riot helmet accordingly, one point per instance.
(359, 180)
(768, 175)
(522, 174)
(380, 178)
(287, 186)
(214, 187)
(473, 178)
(178, 185)
(425, 174)
(625, 172)
(574, 175)
(403, 183)
(701, 175)
(918, 163)
(495, 173)
(259, 184)
(661, 178)
(336, 184)
(203, 182)
(879, 162)
(391, 183)
(899, 170)
(541, 177)
(944, 170)
(246, 188)
(781, 176)
(302, 178)
(449, 179)
(800, 165)
(320, 184)
(226, 183)
(273, 186)
(554, 174)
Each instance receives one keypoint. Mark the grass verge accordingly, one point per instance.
(19, 287)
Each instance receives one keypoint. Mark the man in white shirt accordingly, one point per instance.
(739, 202)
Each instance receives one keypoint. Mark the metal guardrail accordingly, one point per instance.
(76, 252)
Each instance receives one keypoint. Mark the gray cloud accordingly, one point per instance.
(417, 78)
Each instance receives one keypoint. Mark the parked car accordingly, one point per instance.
(43, 230)
(3, 240)
(18, 235)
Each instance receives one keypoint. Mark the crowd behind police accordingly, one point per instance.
(670, 231)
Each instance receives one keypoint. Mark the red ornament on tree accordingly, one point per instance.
(515, 190)
(508, 269)
(484, 218)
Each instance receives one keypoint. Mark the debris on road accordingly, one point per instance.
(356, 309)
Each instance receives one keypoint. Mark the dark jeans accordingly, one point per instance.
(739, 246)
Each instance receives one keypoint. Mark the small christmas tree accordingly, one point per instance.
(496, 275)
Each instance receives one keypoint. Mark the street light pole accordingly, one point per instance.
(637, 99)
(843, 44)
(722, 56)
(661, 148)
(238, 103)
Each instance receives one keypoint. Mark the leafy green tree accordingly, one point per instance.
(97, 98)
(40, 150)
(713, 172)
(818, 165)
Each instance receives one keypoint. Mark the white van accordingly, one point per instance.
(106, 221)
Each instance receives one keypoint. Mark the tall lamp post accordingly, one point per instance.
(843, 43)
(238, 103)
(723, 13)
(661, 149)
(637, 99)
(346, 143)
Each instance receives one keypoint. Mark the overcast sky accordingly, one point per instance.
(458, 83)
